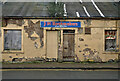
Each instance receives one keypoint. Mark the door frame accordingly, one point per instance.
(59, 29)
(69, 34)
(46, 42)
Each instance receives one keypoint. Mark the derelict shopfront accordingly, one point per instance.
(31, 39)
(60, 39)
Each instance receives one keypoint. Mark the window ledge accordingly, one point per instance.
(13, 52)
(111, 52)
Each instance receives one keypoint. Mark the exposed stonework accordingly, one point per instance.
(91, 55)
(4, 22)
(86, 45)
(81, 39)
(87, 23)
(18, 22)
(36, 45)
(60, 53)
(34, 27)
(77, 58)
(33, 59)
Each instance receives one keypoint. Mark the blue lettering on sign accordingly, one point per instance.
(60, 24)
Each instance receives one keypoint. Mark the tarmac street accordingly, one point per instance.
(59, 74)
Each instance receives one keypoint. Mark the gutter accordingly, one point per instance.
(64, 18)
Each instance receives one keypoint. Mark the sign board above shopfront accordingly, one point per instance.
(60, 24)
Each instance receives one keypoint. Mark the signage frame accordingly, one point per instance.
(60, 24)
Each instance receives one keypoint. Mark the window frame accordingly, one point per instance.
(87, 33)
(117, 41)
(12, 51)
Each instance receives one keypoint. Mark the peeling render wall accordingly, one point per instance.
(92, 46)
(87, 46)
(33, 46)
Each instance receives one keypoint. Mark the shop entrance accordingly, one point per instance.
(68, 45)
(52, 44)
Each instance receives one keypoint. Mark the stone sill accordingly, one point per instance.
(111, 52)
(13, 52)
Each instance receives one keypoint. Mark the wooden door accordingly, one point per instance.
(68, 47)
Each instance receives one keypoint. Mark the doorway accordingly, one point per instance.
(68, 45)
(52, 44)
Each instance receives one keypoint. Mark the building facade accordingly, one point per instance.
(69, 39)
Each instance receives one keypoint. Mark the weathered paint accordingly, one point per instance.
(87, 46)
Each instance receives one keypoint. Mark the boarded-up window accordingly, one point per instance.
(87, 30)
(12, 39)
(110, 40)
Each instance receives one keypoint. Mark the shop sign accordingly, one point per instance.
(110, 34)
(60, 24)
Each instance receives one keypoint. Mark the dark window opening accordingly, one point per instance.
(87, 30)
(12, 39)
(110, 40)
(68, 31)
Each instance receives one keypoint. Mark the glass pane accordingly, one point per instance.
(12, 40)
(110, 45)
(110, 40)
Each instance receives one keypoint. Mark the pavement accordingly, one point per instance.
(61, 71)
(56, 65)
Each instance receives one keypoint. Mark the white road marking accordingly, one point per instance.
(3, 1)
(81, 1)
(77, 13)
(97, 8)
(86, 11)
(55, 1)
(65, 11)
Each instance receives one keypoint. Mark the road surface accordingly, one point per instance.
(59, 74)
